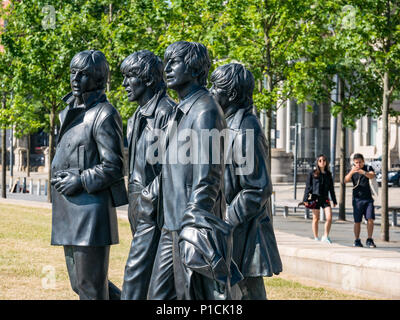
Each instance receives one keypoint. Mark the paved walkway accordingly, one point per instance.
(358, 270)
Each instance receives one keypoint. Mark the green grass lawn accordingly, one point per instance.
(30, 268)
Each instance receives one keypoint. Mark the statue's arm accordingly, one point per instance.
(255, 184)
(108, 139)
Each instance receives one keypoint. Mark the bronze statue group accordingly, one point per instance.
(201, 230)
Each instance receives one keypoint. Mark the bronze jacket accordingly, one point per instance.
(141, 135)
(195, 185)
(89, 142)
(247, 195)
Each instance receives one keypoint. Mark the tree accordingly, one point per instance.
(5, 91)
(377, 39)
(42, 37)
(325, 50)
(260, 34)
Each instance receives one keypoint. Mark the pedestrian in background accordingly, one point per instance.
(318, 185)
(363, 203)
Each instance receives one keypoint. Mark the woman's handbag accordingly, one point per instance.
(310, 203)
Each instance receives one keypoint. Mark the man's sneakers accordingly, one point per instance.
(326, 240)
(357, 243)
(370, 243)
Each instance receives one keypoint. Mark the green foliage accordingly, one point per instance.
(346, 38)
(293, 48)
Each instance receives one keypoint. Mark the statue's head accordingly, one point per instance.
(89, 72)
(142, 70)
(186, 62)
(232, 83)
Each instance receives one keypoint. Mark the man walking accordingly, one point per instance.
(143, 81)
(88, 178)
(363, 203)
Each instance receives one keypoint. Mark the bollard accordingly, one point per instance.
(11, 183)
(24, 185)
(45, 187)
(38, 188)
(18, 188)
(394, 218)
(30, 190)
(307, 213)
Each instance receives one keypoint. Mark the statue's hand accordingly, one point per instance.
(69, 184)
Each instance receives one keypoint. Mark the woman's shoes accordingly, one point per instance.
(326, 239)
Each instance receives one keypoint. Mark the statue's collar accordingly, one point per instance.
(89, 98)
(148, 109)
(190, 99)
(231, 110)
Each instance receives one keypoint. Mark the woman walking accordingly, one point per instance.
(319, 183)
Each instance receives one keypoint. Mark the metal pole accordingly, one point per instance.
(333, 132)
(333, 145)
(38, 188)
(11, 152)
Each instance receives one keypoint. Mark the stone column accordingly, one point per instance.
(288, 120)
(20, 160)
(379, 138)
(281, 128)
(46, 159)
(308, 134)
(357, 134)
(281, 166)
(393, 142)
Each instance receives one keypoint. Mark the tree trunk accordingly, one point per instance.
(268, 125)
(28, 157)
(342, 163)
(3, 164)
(110, 17)
(385, 154)
(3, 158)
(51, 148)
(342, 171)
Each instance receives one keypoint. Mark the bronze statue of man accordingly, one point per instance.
(88, 178)
(192, 195)
(143, 82)
(247, 192)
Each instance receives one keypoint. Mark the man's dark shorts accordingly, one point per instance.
(363, 208)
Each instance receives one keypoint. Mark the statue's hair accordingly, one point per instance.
(234, 76)
(94, 61)
(150, 67)
(194, 54)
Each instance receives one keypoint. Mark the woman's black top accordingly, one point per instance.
(320, 186)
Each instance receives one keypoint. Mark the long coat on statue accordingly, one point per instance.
(90, 142)
(247, 193)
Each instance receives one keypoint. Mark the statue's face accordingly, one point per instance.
(134, 86)
(221, 95)
(82, 81)
(177, 73)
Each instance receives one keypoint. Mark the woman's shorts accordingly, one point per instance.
(322, 203)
